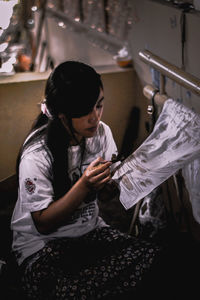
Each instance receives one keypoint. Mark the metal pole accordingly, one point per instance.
(159, 98)
(176, 74)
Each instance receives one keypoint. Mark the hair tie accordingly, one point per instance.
(45, 110)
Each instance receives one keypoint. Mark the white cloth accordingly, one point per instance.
(36, 193)
(174, 142)
(191, 174)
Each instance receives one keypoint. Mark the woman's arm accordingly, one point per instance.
(56, 214)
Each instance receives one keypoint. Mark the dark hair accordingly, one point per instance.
(72, 89)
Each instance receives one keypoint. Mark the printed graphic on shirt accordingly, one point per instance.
(75, 176)
(29, 186)
(84, 213)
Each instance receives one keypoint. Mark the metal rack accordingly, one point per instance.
(166, 69)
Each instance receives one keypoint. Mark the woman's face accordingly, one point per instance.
(86, 126)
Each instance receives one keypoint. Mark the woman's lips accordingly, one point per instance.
(92, 129)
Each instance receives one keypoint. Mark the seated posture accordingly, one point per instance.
(64, 249)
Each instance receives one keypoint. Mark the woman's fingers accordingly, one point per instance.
(96, 162)
(98, 173)
(99, 165)
(99, 181)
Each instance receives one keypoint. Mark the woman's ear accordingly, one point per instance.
(63, 119)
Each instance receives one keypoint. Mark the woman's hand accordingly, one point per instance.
(97, 174)
(56, 214)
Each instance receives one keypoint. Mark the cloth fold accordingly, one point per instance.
(191, 174)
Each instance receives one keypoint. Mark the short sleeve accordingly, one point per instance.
(110, 147)
(36, 190)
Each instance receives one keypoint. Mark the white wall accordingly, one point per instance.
(75, 46)
(157, 28)
(67, 44)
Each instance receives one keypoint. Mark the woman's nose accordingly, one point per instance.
(94, 116)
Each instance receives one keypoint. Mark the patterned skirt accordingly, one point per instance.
(103, 264)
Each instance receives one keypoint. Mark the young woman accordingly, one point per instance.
(64, 249)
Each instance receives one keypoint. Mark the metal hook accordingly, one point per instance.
(151, 107)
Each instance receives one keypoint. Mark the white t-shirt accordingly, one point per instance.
(36, 192)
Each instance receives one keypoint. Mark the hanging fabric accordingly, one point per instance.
(152, 213)
(174, 142)
(144, 220)
(191, 174)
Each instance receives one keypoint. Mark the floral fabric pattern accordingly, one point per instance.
(102, 263)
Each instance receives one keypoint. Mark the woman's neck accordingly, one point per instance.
(76, 141)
